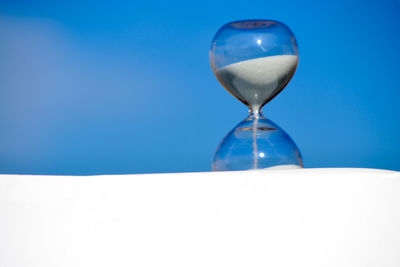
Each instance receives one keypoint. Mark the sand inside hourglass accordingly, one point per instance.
(255, 82)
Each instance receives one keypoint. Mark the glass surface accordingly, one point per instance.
(256, 143)
(254, 60)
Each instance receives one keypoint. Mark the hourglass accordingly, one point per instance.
(254, 60)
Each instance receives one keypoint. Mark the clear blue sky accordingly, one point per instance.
(126, 87)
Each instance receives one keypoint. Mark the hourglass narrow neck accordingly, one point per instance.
(255, 113)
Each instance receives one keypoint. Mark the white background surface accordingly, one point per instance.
(309, 217)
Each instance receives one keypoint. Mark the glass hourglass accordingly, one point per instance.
(254, 60)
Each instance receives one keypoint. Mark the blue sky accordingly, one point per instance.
(116, 87)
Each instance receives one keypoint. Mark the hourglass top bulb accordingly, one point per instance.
(254, 60)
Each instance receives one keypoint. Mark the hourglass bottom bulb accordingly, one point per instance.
(256, 143)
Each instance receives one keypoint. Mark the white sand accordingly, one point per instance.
(256, 81)
(284, 167)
